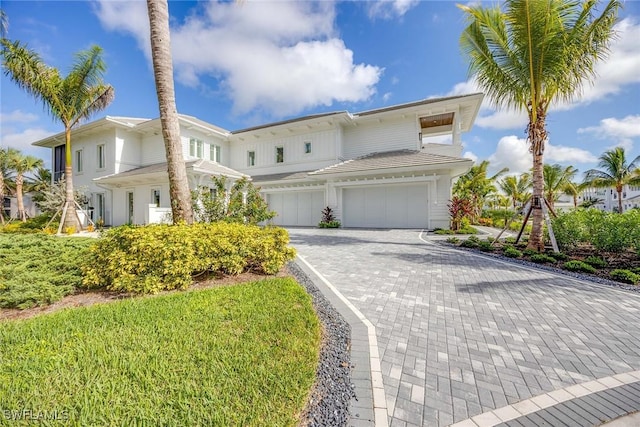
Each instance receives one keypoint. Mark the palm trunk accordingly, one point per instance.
(70, 217)
(1, 198)
(179, 193)
(19, 184)
(619, 190)
(537, 138)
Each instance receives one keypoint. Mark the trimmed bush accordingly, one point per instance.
(542, 258)
(485, 245)
(453, 240)
(558, 256)
(596, 261)
(512, 252)
(576, 265)
(161, 257)
(442, 231)
(471, 242)
(626, 276)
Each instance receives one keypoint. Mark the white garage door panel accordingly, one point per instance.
(297, 208)
(393, 206)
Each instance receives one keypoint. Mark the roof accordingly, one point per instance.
(289, 176)
(293, 120)
(416, 104)
(389, 160)
(201, 166)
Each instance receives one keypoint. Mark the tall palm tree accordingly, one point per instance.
(573, 189)
(614, 172)
(476, 186)
(516, 188)
(22, 164)
(71, 99)
(532, 54)
(556, 179)
(179, 193)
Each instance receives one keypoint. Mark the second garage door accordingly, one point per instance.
(301, 208)
(391, 206)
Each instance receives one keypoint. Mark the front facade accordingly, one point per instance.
(386, 168)
(607, 198)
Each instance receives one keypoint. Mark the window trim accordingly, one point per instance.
(307, 147)
(251, 158)
(215, 153)
(154, 191)
(280, 154)
(102, 156)
(79, 157)
(196, 148)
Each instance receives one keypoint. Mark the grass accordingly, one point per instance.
(36, 269)
(238, 355)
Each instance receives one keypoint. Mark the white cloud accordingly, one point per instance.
(22, 141)
(513, 152)
(389, 9)
(620, 131)
(17, 116)
(470, 155)
(277, 57)
(502, 119)
(386, 97)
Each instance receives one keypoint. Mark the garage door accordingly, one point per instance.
(392, 206)
(303, 208)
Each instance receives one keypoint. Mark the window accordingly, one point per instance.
(196, 148)
(214, 153)
(155, 196)
(101, 157)
(279, 154)
(78, 161)
(307, 147)
(251, 158)
(58, 162)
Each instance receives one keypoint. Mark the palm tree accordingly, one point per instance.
(614, 172)
(556, 179)
(70, 99)
(5, 176)
(476, 186)
(573, 189)
(534, 54)
(516, 188)
(179, 193)
(22, 164)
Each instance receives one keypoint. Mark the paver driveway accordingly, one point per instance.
(460, 334)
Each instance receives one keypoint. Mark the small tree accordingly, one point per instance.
(240, 203)
(328, 219)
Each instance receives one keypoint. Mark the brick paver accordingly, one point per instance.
(459, 335)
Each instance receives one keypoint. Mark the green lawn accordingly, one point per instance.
(237, 355)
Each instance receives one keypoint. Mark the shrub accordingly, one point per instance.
(39, 269)
(159, 257)
(471, 242)
(625, 276)
(442, 231)
(328, 219)
(542, 258)
(510, 240)
(576, 265)
(559, 256)
(485, 245)
(512, 252)
(569, 229)
(467, 230)
(596, 261)
(453, 240)
(636, 270)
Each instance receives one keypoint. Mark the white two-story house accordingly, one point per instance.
(381, 168)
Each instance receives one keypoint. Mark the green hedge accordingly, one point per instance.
(159, 257)
(606, 231)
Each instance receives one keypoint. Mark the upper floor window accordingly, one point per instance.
(251, 158)
(79, 165)
(101, 157)
(214, 153)
(307, 147)
(196, 148)
(279, 154)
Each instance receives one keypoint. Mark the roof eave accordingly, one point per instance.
(403, 169)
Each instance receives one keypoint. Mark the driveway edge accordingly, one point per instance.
(370, 406)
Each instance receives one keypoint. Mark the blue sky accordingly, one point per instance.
(249, 63)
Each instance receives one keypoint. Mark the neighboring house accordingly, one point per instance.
(10, 206)
(609, 197)
(386, 168)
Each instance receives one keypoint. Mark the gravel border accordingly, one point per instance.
(544, 267)
(330, 396)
